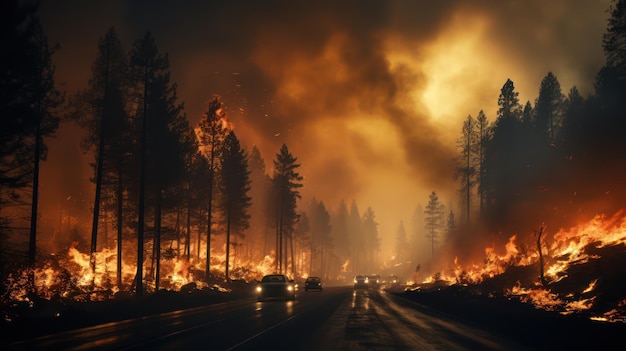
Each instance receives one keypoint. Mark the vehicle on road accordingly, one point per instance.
(313, 283)
(360, 282)
(373, 281)
(276, 286)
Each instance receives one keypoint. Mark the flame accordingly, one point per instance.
(567, 248)
(71, 275)
(344, 266)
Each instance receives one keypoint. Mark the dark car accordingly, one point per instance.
(276, 286)
(313, 283)
(373, 281)
(360, 282)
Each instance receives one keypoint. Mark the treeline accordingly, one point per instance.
(342, 243)
(551, 160)
(29, 111)
(542, 163)
(162, 179)
(157, 179)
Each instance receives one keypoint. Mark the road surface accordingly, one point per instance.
(339, 318)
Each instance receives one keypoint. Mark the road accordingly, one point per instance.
(339, 318)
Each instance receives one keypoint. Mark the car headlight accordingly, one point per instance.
(259, 289)
(289, 288)
(367, 280)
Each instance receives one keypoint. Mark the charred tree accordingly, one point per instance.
(541, 273)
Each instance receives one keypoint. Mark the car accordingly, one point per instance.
(360, 282)
(373, 281)
(276, 286)
(313, 283)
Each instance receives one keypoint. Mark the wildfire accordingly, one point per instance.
(564, 256)
(72, 276)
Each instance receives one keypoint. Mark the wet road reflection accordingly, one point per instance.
(340, 318)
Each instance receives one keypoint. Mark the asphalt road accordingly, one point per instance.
(339, 318)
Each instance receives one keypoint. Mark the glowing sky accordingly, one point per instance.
(369, 95)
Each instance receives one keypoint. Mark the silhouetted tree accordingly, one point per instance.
(528, 114)
(371, 241)
(614, 40)
(321, 241)
(302, 232)
(286, 182)
(484, 134)
(434, 212)
(548, 108)
(503, 153)
(45, 99)
(416, 233)
(605, 127)
(235, 186)
(166, 154)
(358, 246)
(101, 110)
(573, 123)
(450, 225)
(467, 163)
(402, 244)
(211, 136)
(147, 68)
(340, 234)
(259, 209)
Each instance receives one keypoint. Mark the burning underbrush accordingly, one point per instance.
(577, 272)
(64, 290)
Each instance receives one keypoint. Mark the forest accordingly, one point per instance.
(178, 200)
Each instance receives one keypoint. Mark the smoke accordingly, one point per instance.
(369, 95)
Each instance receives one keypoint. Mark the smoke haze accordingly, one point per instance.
(369, 95)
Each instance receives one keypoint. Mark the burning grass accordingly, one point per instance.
(584, 267)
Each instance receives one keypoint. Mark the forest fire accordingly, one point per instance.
(583, 269)
(70, 276)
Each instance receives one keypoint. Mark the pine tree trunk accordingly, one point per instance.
(157, 239)
(119, 225)
(142, 188)
(208, 227)
(227, 273)
(188, 241)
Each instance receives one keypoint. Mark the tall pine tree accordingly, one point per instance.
(286, 181)
(235, 186)
(211, 137)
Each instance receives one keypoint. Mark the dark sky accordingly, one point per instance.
(369, 95)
